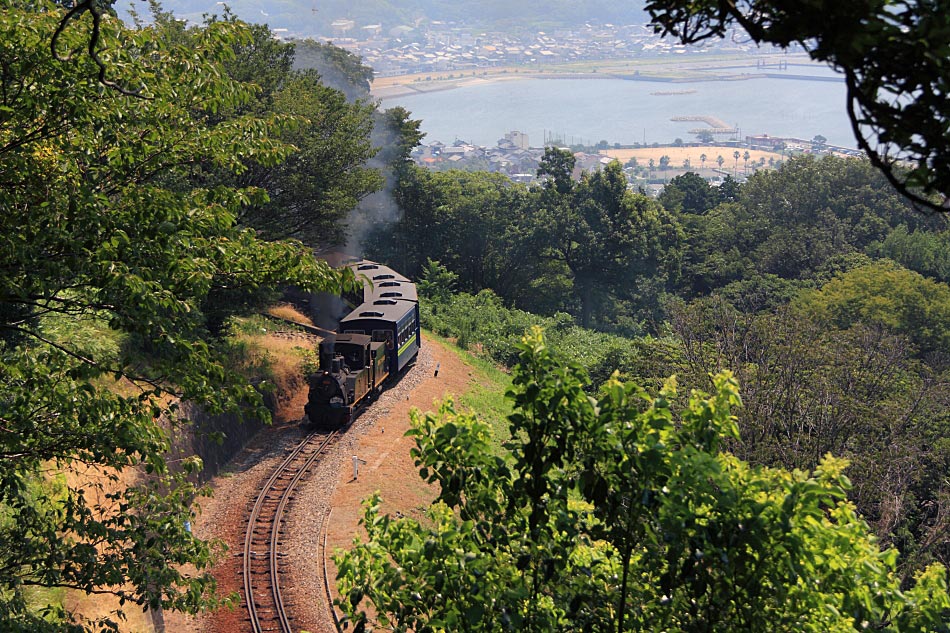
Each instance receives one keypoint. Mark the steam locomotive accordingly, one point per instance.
(375, 341)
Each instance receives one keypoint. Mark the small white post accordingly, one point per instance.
(356, 467)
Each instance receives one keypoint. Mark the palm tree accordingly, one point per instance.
(745, 162)
(702, 161)
(720, 160)
(686, 163)
(735, 168)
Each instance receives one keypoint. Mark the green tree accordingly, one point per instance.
(326, 176)
(99, 235)
(720, 160)
(702, 161)
(398, 135)
(607, 237)
(887, 295)
(897, 88)
(794, 221)
(338, 67)
(745, 161)
(437, 282)
(558, 166)
(623, 513)
(810, 388)
(689, 193)
(324, 179)
(729, 189)
(476, 223)
(925, 252)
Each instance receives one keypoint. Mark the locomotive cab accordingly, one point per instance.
(352, 370)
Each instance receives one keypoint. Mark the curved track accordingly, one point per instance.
(262, 539)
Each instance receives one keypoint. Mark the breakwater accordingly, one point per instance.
(716, 125)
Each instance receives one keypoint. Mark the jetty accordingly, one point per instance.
(716, 125)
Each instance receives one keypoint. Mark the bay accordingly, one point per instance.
(624, 111)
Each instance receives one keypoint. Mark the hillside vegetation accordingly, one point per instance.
(164, 183)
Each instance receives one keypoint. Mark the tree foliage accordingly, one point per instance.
(795, 221)
(623, 513)
(98, 232)
(887, 295)
(609, 239)
(853, 387)
(893, 54)
(314, 189)
(328, 139)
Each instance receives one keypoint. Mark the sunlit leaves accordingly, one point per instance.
(98, 231)
(621, 513)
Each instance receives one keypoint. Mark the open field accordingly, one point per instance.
(679, 154)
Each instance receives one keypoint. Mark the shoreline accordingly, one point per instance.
(661, 73)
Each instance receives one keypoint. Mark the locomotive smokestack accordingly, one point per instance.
(327, 351)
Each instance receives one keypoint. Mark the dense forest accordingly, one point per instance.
(730, 404)
(151, 192)
(816, 284)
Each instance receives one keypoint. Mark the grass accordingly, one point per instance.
(287, 311)
(259, 348)
(487, 395)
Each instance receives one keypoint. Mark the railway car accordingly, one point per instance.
(376, 341)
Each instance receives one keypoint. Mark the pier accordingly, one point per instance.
(716, 125)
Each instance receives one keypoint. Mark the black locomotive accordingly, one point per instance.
(373, 344)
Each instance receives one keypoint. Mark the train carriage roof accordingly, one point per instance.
(382, 282)
(394, 290)
(380, 310)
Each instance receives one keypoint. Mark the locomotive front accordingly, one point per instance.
(328, 406)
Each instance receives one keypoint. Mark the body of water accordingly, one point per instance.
(625, 111)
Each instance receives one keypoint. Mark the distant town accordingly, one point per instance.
(646, 166)
(440, 47)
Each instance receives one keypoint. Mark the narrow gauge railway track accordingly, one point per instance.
(262, 554)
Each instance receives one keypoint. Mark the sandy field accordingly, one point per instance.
(679, 154)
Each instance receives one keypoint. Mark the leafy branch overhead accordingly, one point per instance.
(895, 56)
(112, 251)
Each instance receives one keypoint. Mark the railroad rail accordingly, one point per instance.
(262, 554)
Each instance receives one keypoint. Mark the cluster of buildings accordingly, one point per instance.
(444, 47)
(512, 156)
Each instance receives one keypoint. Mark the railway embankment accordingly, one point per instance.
(377, 438)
